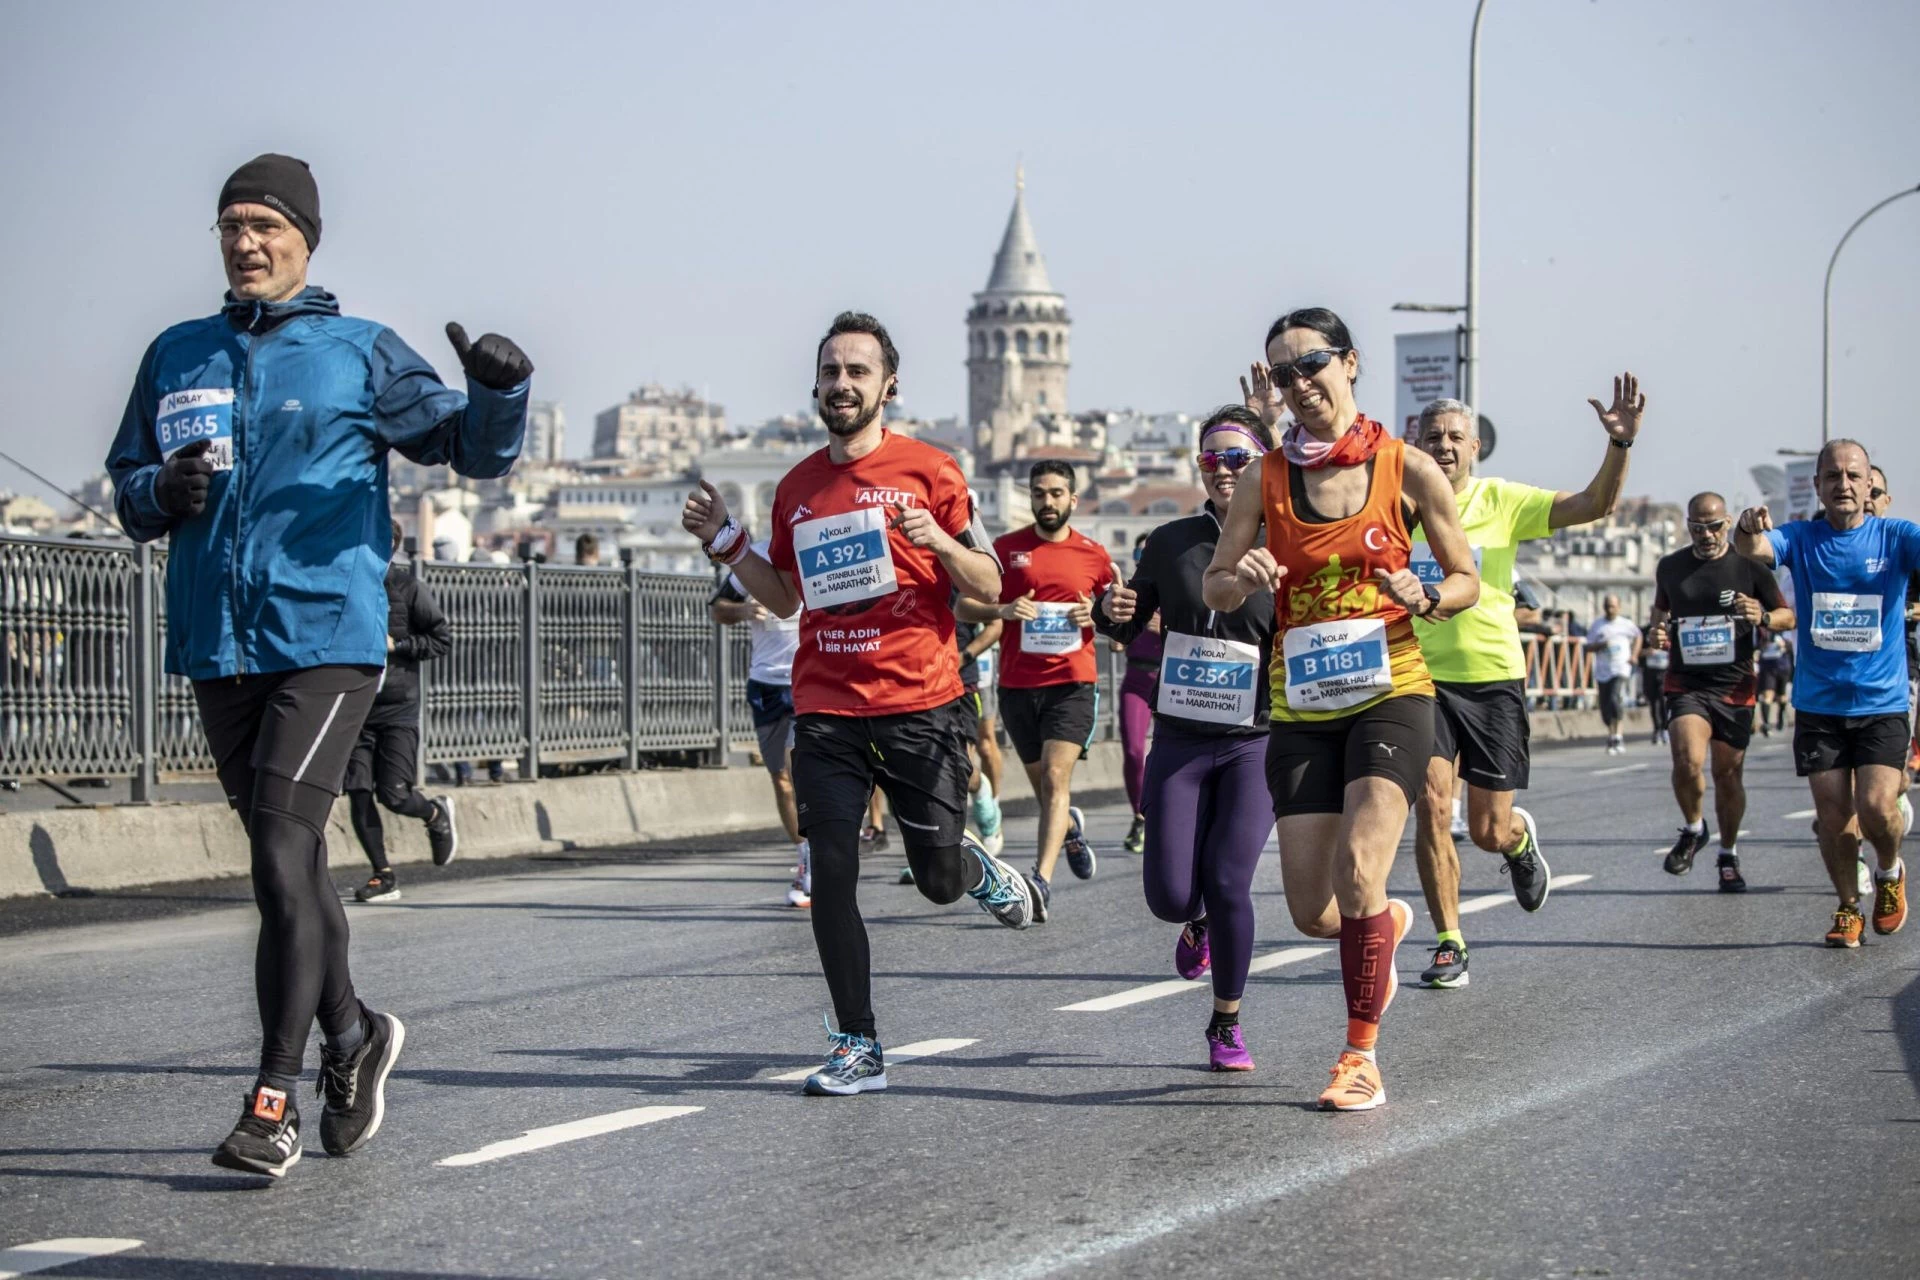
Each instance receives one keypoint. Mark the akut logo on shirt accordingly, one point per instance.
(872, 496)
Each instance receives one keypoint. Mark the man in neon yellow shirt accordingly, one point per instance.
(1479, 670)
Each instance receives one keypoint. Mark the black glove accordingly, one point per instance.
(493, 361)
(184, 480)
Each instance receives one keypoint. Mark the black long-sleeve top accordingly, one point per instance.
(419, 630)
(1168, 578)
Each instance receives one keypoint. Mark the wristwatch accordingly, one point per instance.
(1433, 599)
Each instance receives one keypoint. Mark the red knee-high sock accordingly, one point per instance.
(1366, 969)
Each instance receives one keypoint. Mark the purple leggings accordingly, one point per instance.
(1136, 717)
(1208, 817)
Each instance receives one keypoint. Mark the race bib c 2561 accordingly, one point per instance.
(844, 558)
(1706, 642)
(1335, 665)
(1206, 679)
(1052, 632)
(204, 413)
(1427, 569)
(1846, 622)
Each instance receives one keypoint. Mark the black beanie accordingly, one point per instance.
(279, 182)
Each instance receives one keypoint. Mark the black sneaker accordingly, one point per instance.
(384, 886)
(873, 840)
(444, 840)
(1042, 894)
(1731, 881)
(1679, 859)
(267, 1139)
(1080, 859)
(1136, 841)
(1531, 878)
(1449, 967)
(355, 1085)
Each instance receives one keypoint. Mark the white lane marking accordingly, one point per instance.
(905, 1053)
(1623, 768)
(1154, 990)
(44, 1255)
(572, 1131)
(1486, 900)
(1798, 814)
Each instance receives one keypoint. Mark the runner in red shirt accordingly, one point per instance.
(1049, 669)
(870, 538)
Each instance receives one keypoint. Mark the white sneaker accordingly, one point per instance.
(800, 892)
(1865, 882)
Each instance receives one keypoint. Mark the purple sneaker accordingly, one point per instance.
(1191, 955)
(1227, 1049)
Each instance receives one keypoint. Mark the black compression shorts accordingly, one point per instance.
(1310, 762)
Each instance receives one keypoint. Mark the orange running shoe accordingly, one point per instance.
(1890, 903)
(1356, 1085)
(1847, 927)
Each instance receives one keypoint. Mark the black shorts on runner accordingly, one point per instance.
(388, 747)
(919, 758)
(1613, 699)
(1775, 680)
(302, 725)
(1051, 713)
(1822, 742)
(1730, 723)
(1310, 762)
(1485, 727)
(969, 705)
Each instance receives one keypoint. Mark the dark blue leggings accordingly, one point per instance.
(1209, 814)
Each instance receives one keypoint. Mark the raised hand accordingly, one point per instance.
(1262, 397)
(184, 480)
(1403, 585)
(704, 514)
(1258, 571)
(917, 525)
(1756, 520)
(1081, 614)
(1657, 636)
(493, 361)
(1622, 420)
(1119, 603)
(1022, 610)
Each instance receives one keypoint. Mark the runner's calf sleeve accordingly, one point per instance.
(838, 931)
(300, 961)
(1366, 966)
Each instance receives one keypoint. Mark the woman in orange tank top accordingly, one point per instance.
(1352, 702)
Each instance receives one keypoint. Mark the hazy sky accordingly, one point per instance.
(686, 193)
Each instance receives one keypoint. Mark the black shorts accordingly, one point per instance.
(1310, 762)
(1822, 742)
(919, 758)
(388, 748)
(970, 709)
(1051, 713)
(1730, 723)
(1775, 680)
(302, 725)
(1613, 699)
(1485, 727)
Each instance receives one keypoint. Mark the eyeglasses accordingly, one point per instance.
(1211, 460)
(1307, 365)
(263, 230)
(1707, 526)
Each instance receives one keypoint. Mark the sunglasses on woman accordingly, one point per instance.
(1307, 365)
(1211, 460)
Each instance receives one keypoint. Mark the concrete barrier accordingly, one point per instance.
(127, 846)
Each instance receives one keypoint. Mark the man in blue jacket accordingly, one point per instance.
(257, 440)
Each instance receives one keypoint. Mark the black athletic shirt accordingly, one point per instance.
(1698, 594)
(1172, 563)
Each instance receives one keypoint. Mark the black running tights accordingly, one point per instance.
(941, 874)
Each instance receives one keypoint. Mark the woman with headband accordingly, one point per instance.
(1352, 702)
(1208, 812)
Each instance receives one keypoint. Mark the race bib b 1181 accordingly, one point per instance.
(204, 413)
(1335, 665)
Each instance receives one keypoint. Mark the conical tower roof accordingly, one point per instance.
(1018, 267)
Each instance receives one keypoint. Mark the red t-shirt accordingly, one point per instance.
(1050, 650)
(876, 622)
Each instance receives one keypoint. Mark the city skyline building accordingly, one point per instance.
(1017, 341)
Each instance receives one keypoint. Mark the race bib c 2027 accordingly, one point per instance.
(204, 413)
(1846, 622)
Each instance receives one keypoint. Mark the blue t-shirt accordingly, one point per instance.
(1850, 595)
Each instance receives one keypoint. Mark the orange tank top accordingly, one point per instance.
(1342, 644)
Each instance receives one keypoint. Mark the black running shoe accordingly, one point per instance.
(441, 836)
(1680, 858)
(873, 840)
(383, 886)
(1531, 878)
(1136, 841)
(1731, 881)
(1042, 894)
(355, 1085)
(267, 1139)
(1449, 967)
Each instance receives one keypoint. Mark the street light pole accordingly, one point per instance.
(1470, 338)
(1826, 311)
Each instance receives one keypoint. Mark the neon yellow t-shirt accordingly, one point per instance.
(1483, 643)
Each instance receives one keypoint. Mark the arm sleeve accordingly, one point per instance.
(133, 462)
(1532, 512)
(428, 422)
(431, 634)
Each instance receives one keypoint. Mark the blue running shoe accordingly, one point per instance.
(855, 1064)
(1079, 853)
(1003, 893)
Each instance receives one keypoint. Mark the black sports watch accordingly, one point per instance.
(1433, 599)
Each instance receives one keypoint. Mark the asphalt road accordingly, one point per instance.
(1646, 1079)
